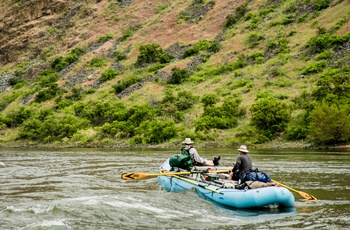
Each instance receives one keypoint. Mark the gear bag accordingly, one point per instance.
(255, 175)
(182, 160)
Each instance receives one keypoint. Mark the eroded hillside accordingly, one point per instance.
(60, 58)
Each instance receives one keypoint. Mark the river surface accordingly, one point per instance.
(82, 189)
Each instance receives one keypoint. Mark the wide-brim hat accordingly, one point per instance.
(187, 141)
(243, 148)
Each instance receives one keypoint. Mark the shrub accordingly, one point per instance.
(330, 124)
(97, 62)
(139, 113)
(254, 39)
(221, 117)
(314, 67)
(239, 13)
(105, 37)
(298, 132)
(119, 55)
(209, 100)
(151, 53)
(55, 127)
(47, 78)
(155, 131)
(202, 45)
(108, 75)
(59, 64)
(270, 116)
(325, 41)
(123, 84)
(334, 82)
(155, 67)
(185, 100)
(18, 115)
(78, 51)
(76, 95)
(178, 75)
(48, 93)
(98, 112)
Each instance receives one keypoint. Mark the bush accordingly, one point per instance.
(123, 84)
(151, 53)
(270, 116)
(202, 45)
(119, 55)
(185, 100)
(254, 39)
(330, 124)
(314, 67)
(156, 131)
(47, 78)
(105, 37)
(178, 76)
(60, 63)
(98, 112)
(333, 81)
(48, 93)
(298, 132)
(325, 41)
(55, 127)
(221, 117)
(97, 62)
(209, 100)
(18, 115)
(210, 122)
(108, 75)
(231, 19)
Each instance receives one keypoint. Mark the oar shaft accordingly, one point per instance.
(136, 175)
(197, 184)
(283, 185)
(303, 194)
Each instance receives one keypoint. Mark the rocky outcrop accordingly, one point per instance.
(4, 84)
(23, 21)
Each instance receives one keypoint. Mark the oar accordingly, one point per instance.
(136, 175)
(197, 184)
(303, 194)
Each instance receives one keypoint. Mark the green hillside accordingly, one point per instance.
(118, 73)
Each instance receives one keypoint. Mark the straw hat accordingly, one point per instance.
(187, 141)
(243, 148)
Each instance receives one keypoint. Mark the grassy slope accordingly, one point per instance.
(164, 28)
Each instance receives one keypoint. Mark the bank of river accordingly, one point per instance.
(276, 144)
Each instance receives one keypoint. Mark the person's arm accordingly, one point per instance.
(237, 164)
(196, 156)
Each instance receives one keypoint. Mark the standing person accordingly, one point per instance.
(243, 164)
(198, 160)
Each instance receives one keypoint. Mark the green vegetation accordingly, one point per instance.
(152, 53)
(274, 71)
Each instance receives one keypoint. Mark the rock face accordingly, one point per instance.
(24, 26)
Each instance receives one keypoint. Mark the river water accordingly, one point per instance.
(82, 189)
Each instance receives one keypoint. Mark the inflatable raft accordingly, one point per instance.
(210, 184)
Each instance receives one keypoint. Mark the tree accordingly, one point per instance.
(270, 116)
(330, 124)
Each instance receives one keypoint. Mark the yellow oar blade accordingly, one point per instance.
(303, 194)
(307, 196)
(133, 176)
(136, 175)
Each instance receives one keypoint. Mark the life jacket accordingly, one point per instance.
(182, 160)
